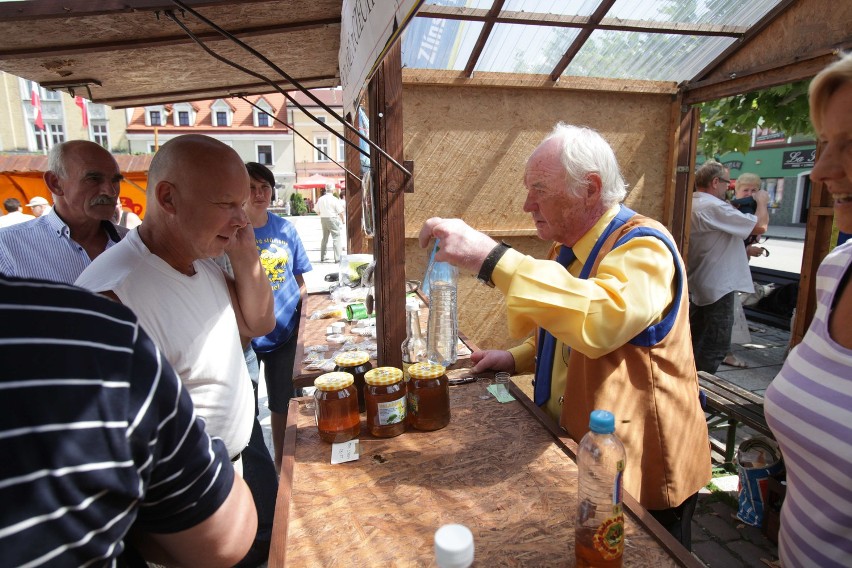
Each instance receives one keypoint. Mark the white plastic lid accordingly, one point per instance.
(453, 546)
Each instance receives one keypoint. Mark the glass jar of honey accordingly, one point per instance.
(336, 407)
(386, 402)
(356, 363)
(428, 396)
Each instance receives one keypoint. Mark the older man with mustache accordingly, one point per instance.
(84, 179)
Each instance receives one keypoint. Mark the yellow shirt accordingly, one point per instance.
(632, 289)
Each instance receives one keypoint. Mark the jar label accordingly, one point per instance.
(391, 412)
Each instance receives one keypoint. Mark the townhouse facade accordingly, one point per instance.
(310, 161)
(63, 118)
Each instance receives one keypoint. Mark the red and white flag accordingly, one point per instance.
(35, 100)
(81, 102)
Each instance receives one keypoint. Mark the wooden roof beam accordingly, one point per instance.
(581, 39)
(46, 9)
(212, 92)
(754, 30)
(483, 37)
(565, 21)
(182, 39)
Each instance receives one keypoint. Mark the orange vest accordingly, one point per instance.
(653, 393)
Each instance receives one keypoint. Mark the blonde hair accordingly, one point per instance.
(750, 179)
(825, 84)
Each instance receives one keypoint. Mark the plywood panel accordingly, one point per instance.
(470, 145)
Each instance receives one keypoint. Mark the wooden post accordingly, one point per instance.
(685, 136)
(817, 242)
(385, 96)
(354, 232)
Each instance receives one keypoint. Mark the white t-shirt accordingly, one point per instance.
(328, 206)
(192, 321)
(717, 261)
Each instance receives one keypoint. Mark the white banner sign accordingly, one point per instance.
(368, 28)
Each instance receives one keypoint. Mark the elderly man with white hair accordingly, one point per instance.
(611, 316)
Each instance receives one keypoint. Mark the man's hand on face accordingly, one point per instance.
(242, 245)
(460, 244)
(762, 197)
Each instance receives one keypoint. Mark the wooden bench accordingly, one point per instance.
(727, 406)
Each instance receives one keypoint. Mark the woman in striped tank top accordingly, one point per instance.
(809, 404)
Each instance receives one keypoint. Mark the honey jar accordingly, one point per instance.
(336, 404)
(385, 395)
(356, 363)
(428, 396)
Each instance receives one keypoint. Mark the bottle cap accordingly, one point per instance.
(334, 381)
(453, 546)
(602, 422)
(426, 370)
(352, 358)
(383, 376)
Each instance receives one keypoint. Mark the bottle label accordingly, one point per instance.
(413, 403)
(609, 538)
(616, 487)
(391, 412)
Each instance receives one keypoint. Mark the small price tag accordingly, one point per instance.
(344, 452)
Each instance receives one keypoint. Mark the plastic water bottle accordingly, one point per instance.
(599, 527)
(442, 331)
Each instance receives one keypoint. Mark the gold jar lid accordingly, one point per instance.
(383, 376)
(352, 358)
(426, 370)
(335, 381)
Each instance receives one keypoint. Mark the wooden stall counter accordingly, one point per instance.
(495, 468)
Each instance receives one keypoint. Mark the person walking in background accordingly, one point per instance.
(84, 180)
(285, 260)
(612, 319)
(108, 452)
(331, 212)
(13, 215)
(125, 218)
(717, 266)
(39, 206)
(809, 404)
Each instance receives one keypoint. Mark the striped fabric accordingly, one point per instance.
(809, 408)
(43, 249)
(96, 432)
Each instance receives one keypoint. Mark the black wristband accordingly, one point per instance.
(490, 263)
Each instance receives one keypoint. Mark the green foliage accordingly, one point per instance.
(297, 204)
(727, 123)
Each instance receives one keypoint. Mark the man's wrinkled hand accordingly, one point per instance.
(460, 244)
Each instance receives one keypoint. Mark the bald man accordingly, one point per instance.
(195, 313)
(84, 180)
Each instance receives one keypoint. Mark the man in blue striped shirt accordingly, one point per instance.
(84, 179)
(99, 437)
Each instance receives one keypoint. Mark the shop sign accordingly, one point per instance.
(798, 159)
(734, 165)
(769, 138)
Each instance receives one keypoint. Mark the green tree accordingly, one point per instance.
(297, 204)
(727, 123)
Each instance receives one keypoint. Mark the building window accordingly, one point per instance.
(221, 118)
(262, 119)
(321, 119)
(321, 143)
(151, 148)
(57, 133)
(264, 154)
(154, 117)
(183, 118)
(100, 134)
(39, 137)
(47, 95)
(341, 151)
